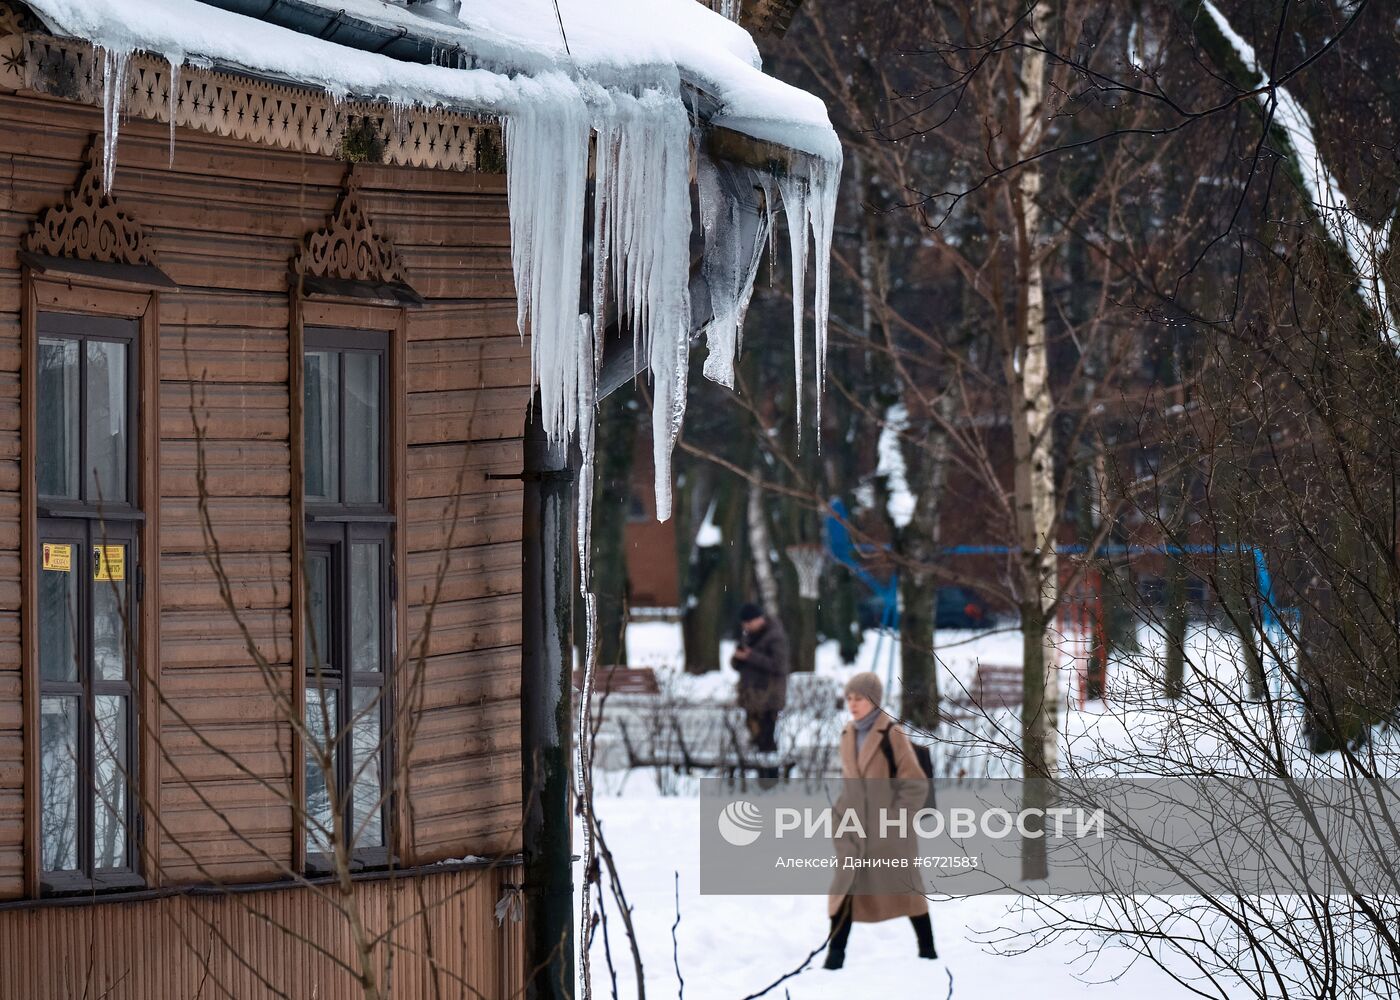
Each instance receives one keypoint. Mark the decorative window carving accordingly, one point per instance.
(90, 226)
(347, 246)
(347, 256)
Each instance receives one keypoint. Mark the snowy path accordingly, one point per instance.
(732, 946)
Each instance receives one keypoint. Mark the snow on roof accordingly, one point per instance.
(616, 90)
(626, 43)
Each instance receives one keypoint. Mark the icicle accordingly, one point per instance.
(809, 202)
(734, 239)
(174, 64)
(795, 193)
(114, 65)
(547, 170)
(642, 199)
(641, 230)
(588, 359)
(826, 184)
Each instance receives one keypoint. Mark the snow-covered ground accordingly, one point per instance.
(735, 946)
(728, 947)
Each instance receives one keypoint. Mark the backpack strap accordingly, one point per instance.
(888, 749)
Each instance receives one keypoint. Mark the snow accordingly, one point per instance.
(901, 502)
(620, 77)
(732, 946)
(620, 43)
(709, 534)
(1364, 245)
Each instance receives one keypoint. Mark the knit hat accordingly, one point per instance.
(867, 685)
(749, 612)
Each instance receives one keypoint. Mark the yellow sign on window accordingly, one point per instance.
(58, 558)
(108, 562)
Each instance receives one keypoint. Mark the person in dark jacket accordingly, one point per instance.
(762, 662)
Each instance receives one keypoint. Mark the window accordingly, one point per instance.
(88, 585)
(349, 570)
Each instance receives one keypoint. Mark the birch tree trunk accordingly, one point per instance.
(1031, 412)
(926, 464)
(761, 549)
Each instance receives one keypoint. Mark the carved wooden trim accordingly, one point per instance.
(348, 248)
(270, 114)
(90, 226)
(13, 24)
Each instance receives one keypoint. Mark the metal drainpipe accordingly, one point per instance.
(546, 683)
(546, 687)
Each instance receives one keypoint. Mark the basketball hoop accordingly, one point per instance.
(808, 560)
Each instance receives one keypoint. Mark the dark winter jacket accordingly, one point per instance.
(763, 675)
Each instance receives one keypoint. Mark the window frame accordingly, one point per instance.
(85, 522)
(54, 325)
(333, 527)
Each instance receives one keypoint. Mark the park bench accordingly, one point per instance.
(620, 680)
(733, 758)
(995, 687)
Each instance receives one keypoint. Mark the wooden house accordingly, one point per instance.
(263, 404)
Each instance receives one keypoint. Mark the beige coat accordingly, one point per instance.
(907, 791)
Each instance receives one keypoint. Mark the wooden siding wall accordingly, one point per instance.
(226, 219)
(222, 946)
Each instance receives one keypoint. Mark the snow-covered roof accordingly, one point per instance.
(600, 88)
(491, 55)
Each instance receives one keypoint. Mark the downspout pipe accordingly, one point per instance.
(546, 684)
(546, 712)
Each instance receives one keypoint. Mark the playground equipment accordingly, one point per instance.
(1082, 614)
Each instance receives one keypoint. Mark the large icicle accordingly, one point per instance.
(174, 98)
(735, 234)
(546, 178)
(643, 200)
(809, 201)
(642, 240)
(114, 63)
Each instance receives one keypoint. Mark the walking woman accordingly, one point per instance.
(874, 750)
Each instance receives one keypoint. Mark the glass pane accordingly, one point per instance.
(365, 761)
(365, 606)
(106, 422)
(57, 406)
(58, 782)
(109, 605)
(320, 775)
(362, 421)
(318, 591)
(58, 611)
(321, 418)
(109, 779)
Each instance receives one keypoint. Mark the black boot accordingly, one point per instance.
(923, 928)
(840, 933)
